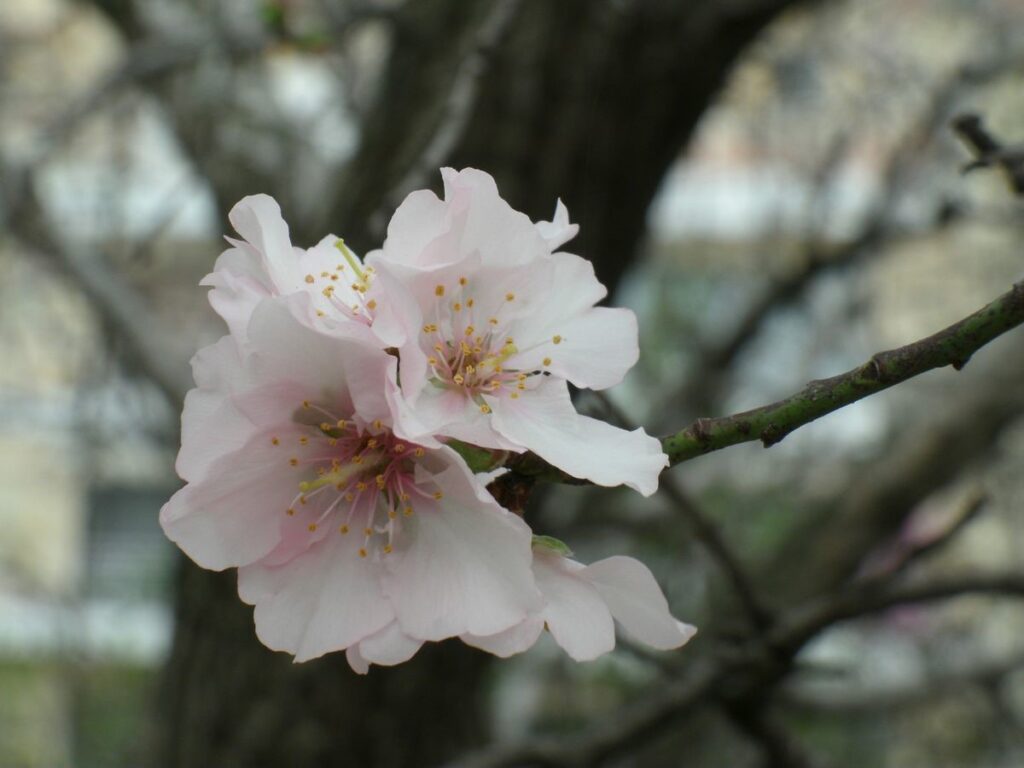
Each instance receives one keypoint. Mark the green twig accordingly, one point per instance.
(771, 423)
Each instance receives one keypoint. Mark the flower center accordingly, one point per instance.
(469, 349)
(344, 289)
(359, 479)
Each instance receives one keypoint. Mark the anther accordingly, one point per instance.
(293, 461)
(311, 527)
(547, 361)
(556, 339)
(362, 552)
(485, 408)
(275, 441)
(438, 495)
(439, 290)
(310, 278)
(510, 297)
(343, 530)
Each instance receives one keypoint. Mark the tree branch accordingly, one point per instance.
(728, 681)
(771, 423)
(809, 620)
(705, 531)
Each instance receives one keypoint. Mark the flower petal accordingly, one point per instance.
(326, 599)
(231, 517)
(635, 600)
(290, 356)
(257, 218)
(355, 660)
(211, 425)
(462, 565)
(558, 231)
(544, 421)
(576, 615)
(513, 640)
(389, 646)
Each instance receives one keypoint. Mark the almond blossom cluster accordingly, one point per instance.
(317, 444)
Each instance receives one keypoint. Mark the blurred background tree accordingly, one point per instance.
(770, 185)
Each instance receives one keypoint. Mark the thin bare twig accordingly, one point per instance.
(989, 151)
(727, 681)
(704, 530)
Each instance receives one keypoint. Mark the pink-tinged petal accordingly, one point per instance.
(558, 231)
(575, 614)
(355, 660)
(553, 303)
(636, 601)
(389, 646)
(449, 412)
(516, 639)
(288, 356)
(257, 218)
(501, 234)
(211, 425)
(596, 348)
(462, 565)
(419, 220)
(544, 421)
(407, 424)
(326, 599)
(238, 284)
(231, 517)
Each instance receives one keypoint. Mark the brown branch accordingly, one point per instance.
(819, 258)
(809, 620)
(952, 346)
(728, 681)
(705, 531)
(989, 151)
